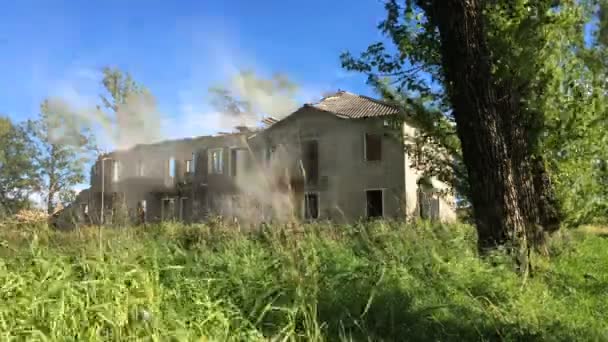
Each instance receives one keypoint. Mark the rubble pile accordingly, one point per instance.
(32, 216)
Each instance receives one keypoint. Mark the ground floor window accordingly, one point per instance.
(185, 209)
(375, 203)
(168, 209)
(141, 211)
(311, 206)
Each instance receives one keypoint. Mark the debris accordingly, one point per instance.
(31, 216)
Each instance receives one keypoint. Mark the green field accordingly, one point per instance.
(380, 281)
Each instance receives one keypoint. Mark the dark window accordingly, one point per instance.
(168, 209)
(233, 162)
(374, 203)
(311, 206)
(311, 160)
(373, 147)
(268, 153)
(203, 161)
(141, 210)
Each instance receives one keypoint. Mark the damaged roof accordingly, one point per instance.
(354, 106)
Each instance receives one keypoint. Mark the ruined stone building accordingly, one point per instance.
(340, 159)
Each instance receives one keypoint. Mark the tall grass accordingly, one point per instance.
(377, 281)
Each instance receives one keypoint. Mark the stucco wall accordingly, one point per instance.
(348, 174)
(343, 175)
(341, 161)
(446, 202)
(156, 184)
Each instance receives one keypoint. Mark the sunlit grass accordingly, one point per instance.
(378, 281)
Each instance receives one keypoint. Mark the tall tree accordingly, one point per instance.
(128, 109)
(247, 96)
(17, 170)
(478, 69)
(482, 111)
(576, 142)
(63, 149)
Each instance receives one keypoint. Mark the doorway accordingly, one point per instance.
(185, 209)
(168, 209)
(375, 203)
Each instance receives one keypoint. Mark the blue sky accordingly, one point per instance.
(176, 48)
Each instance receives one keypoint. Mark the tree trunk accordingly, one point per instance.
(480, 108)
(50, 207)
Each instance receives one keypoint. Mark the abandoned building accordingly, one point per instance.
(340, 159)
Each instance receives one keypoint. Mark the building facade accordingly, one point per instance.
(341, 159)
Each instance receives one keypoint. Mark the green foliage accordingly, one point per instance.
(128, 112)
(406, 70)
(17, 171)
(537, 47)
(63, 147)
(573, 102)
(378, 281)
(67, 197)
(248, 95)
(119, 85)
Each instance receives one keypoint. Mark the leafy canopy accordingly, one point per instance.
(539, 47)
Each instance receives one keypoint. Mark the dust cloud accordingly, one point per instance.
(253, 97)
(264, 188)
(265, 194)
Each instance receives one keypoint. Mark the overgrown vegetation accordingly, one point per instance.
(383, 281)
(521, 83)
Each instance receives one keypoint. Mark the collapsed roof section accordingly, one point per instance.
(342, 104)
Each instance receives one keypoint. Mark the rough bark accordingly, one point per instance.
(480, 106)
(535, 192)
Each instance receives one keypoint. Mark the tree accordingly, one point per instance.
(247, 96)
(17, 171)
(482, 110)
(480, 70)
(130, 114)
(131, 118)
(62, 150)
(67, 197)
(576, 142)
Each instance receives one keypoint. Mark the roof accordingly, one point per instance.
(353, 106)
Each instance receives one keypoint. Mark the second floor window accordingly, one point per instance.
(140, 168)
(268, 153)
(310, 157)
(193, 163)
(172, 167)
(115, 171)
(373, 147)
(311, 206)
(216, 162)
